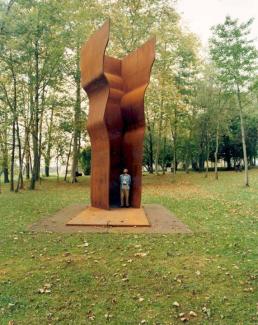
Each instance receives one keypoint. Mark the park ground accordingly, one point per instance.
(208, 277)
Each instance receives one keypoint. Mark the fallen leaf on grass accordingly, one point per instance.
(114, 301)
(248, 290)
(192, 313)
(206, 311)
(90, 315)
(176, 304)
(42, 290)
(178, 278)
(253, 276)
(140, 254)
(108, 316)
(183, 318)
(85, 244)
(45, 289)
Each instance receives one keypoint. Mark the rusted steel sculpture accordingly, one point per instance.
(116, 123)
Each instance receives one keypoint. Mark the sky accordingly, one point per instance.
(200, 15)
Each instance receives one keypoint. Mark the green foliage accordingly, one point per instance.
(235, 58)
(234, 53)
(231, 144)
(85, 159)
(187, 104)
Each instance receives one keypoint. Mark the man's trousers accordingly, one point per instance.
(124, 195)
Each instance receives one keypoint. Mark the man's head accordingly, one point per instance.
(125, 171)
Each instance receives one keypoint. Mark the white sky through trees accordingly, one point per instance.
(200, 15)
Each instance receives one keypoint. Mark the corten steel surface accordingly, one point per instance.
(116, 122)
(114, 218)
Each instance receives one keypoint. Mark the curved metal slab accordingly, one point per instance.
(95, 84)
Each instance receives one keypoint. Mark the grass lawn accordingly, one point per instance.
(48, 278)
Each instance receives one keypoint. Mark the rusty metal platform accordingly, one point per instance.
(117, 217)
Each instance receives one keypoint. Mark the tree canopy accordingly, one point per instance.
(200, 113)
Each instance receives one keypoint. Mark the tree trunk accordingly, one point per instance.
(246, 181)
(40, 144)
(12, 157)
(164, 156)
(174, 157)
(175, 162)
(46, 169)
(174, 140)
(35, 153)
(151, 152)
(67, 162)
(157, 156)
(77, 116)
(6, 175)
(35, 128)
(5, 153)
(150, 163)
(49, 144)
(159, 136)
(20, 184)
(188, 158)
(57, 166)
(27, 157)
(14, 109)
(40, 132)
(5, 162)
(216, 153)
(207, 156)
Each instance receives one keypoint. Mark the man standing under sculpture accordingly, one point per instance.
(125, 182)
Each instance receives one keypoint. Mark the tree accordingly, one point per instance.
(79, 25)
(235, 58)
(214, 117)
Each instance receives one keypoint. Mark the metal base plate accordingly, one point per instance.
(117, 217)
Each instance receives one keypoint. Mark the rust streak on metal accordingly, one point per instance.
(116, 123)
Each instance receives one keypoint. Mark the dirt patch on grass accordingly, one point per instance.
(4, 273)
(161, 220)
